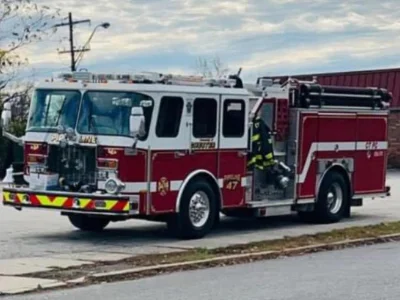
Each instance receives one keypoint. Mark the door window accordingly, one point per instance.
(204, 118)
(169, 117)
(233, 118)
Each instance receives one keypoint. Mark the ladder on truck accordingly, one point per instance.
(233, 81)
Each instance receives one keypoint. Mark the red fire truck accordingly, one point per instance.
(100, 148)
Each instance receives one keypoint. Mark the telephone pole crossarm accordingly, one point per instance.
(72, 51)
(76, 51)
(73, 23)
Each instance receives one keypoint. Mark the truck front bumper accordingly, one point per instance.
(71, 202)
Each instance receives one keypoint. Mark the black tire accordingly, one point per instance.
(333, 183)
(88, 223)
(181, 225)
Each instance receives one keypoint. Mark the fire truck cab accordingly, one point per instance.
(100, 148)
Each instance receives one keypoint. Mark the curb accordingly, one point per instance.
(263, 255)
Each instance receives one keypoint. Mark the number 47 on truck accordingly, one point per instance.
(100, 148)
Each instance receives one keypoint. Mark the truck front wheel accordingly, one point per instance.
(197, 212)
(88, 223)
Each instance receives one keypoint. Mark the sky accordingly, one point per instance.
(264, 37)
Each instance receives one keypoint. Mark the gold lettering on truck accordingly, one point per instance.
(203, 145)
(57, 137)
(88, 139)
(231, 181)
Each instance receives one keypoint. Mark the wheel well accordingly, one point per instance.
(206, 176)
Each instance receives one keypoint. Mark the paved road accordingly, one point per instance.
(42, 233)
(367, 273)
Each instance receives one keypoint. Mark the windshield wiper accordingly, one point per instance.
(92, 120)
(60, 111)
(92, 123)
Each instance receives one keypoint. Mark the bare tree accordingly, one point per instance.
(21, 22)
(20, 100)
(213, 67)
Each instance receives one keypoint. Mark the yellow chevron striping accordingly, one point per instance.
(109, 204)
(57, 202)
(83, 202)
(20, 197)
(43, 200)
(6, 197)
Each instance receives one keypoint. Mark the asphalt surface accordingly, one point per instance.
(365, 273)
(42, 233)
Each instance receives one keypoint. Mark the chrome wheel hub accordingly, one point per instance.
(335, 198)
(199, 209)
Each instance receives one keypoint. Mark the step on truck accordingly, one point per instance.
(100, 148)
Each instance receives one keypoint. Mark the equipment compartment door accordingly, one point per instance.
(233, 136)
(371, 154)
(337, 135)
(307, 167)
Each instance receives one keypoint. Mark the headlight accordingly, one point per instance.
(113, 186)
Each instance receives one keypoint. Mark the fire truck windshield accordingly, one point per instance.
(52, 108)
(107, 112)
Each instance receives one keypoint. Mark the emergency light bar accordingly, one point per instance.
(148, 78)
(83, 76)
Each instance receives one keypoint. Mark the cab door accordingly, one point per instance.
(169, 155)
(203, 126)
(233, 145)
(186, 139)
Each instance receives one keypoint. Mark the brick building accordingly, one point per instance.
(382, 78)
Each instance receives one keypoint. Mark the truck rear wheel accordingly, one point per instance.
(333, 198)
(88, 223)
(197, 212)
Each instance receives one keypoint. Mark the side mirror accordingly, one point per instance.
(137, 122)
(6, 115)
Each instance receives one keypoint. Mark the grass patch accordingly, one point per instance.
(333, 236)
(337, 235)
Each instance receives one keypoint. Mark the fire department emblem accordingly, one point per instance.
(111, 151)
(163, 186)
(34, 147)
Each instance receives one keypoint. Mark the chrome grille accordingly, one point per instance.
(74, 163)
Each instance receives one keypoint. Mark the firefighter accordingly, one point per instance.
(262, 156)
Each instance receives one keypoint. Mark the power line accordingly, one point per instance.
(72, 51)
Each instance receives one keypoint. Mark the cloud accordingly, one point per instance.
(310, 55)
(277, 36)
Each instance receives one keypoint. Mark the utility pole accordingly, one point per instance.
(72, 51)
